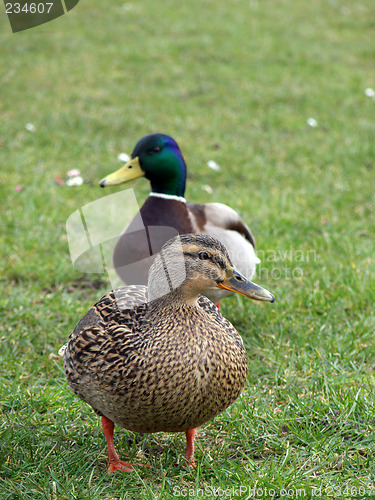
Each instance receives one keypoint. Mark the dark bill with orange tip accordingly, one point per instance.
(235, 282)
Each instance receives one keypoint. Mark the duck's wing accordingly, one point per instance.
(113, 307)
(104, 343)
(116, 309)
(206, 215)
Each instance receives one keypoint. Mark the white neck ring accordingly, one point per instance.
(168, 196)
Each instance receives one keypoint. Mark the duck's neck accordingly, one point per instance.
(163, 293)
(174, 303)
(175, 187)
(168, 196)
(170, 178)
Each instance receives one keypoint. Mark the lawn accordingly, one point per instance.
(278, 94)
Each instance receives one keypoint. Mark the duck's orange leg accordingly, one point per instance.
(190, 435)
(114, 462)
(218, 305)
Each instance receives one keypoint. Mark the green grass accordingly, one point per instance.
(233, 82)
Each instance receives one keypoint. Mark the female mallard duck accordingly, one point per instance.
(163, 358)
(159, 159)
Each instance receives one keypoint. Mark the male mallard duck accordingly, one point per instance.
(163, 358)
(159, 159)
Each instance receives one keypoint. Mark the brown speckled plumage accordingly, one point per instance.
(167, 363)
(148, 373)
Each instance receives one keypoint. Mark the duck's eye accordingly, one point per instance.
(203, 256)
(156, 149)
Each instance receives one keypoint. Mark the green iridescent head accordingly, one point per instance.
(158, 158)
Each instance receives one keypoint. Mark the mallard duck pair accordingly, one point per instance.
(166, 213)
(163, 358)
